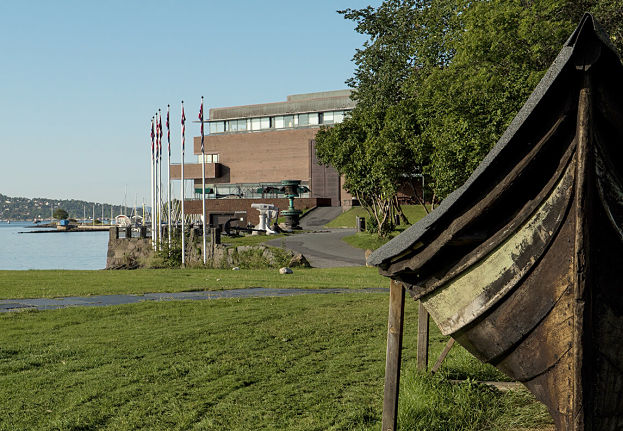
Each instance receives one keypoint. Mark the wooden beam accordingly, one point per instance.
(422, 338)
(394, 353)
(443, 355)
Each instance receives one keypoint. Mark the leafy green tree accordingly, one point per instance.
(375, 148)
(436, 84)
(60, 214)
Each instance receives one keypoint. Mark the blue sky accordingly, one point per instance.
(80, 80)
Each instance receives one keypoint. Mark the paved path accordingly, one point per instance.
(319, 216)
(323, 249)
(7, 305)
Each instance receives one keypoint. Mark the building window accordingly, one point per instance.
(255, 124)
(338, 116)
(217, 126)
(327, 118)
(265, 123)
(303, 119)
(288, 121)
(209, 158)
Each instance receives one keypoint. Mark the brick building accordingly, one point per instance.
(249, 149)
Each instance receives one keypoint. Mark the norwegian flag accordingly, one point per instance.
(201, 119)
(160, 122)
(168, 132)
(183, 127)
(152, 137)
(157, 137)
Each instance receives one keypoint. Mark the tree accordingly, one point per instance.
(60, 214)
(436, 84)
(374, 148)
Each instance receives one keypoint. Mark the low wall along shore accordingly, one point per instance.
(128, 252)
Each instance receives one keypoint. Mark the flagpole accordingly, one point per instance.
(156, 209)
(160, 215)
(183, 142)
(169, 177)
(153, 238)
(203, 189)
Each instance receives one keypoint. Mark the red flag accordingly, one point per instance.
(168, 132)
(201, 119)
(159, 135)
(183, 126)
(152, 138)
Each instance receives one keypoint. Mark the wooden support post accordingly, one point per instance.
(422, 338)
(443, 355)
(394, 352)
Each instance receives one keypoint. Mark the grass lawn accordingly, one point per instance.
(295, 363)
(53, 283)
(347, 218)
(366, 240)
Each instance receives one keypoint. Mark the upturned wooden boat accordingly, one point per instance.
(522, 264)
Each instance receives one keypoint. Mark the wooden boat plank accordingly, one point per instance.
(427, 286)
(511, 320)
(472, 293)
(457, 232)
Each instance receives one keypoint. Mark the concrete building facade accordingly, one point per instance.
(250, 149)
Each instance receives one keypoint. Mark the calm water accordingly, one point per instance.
(63, 250)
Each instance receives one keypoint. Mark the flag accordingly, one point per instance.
(183, 126)
(160, 122)
(201, 119)
(152, 137)
(168, 132)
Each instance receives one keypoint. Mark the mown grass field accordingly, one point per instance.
(365, 240)
(347, 218)
(53, 283)
(313, 362)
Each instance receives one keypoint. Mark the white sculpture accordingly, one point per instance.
(268, 212)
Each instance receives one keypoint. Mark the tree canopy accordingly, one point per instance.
(436, 84)
(60, 214)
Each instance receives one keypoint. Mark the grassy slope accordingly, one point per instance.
(297, 363)
(51, 283)
(347, 218)
(365, 240)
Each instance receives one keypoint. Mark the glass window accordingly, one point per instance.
(217, 126)
(215, 158)
(338, 116)
(279, 122)
(327, 118)
(303, 119)
(232, 126)
(265, 123)
(288, 121)
(255, 124)
(313, 119)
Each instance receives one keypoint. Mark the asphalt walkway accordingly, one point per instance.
(7, 305)
(322, 247)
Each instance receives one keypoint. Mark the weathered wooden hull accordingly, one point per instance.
(524, 266)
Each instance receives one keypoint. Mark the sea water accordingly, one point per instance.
(55, 250)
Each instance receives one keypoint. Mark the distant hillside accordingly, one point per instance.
(42, 208)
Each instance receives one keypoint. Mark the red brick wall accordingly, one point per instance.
(255, 157)
(232, 205)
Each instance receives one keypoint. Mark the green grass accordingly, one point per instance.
(298, 363)
(52, 283)
(347, 218)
